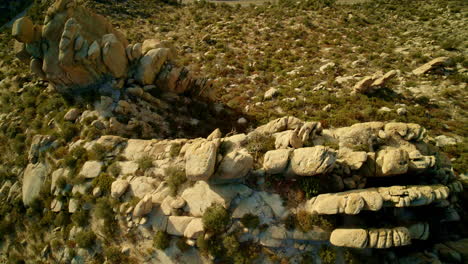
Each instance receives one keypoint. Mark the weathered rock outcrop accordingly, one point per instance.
(352, 202)
(77, 49)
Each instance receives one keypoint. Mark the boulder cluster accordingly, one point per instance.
(77, 49)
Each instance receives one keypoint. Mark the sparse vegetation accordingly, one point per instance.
(175, 176)
(145, 162)
(250, 221)
(216, 218)
(85, 239)
(161, 240)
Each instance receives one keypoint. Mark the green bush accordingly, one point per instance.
(85, 239)
(114, 169)
(250, 221)
(69, 131)
(175, 176)
(260, 143)
(310, 186)
(161, 240)
(145, 162)
(114, 255)
(327, 254)
(98, 152)
(216, 218)
(80, 218)
(61, 182)
(104, 182)
(182, 244)
(103, 209)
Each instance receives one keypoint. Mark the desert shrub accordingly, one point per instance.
(161, 240)
(103, 209)
(310, 186)
(104, 182)
(145, 162)
(304, 221)
(260, 143)
(114, 255)
(6, 228)
(75, 157)
(114, 169)
(85, 239)
(182, 244)
(250, 221)
(61, 182)
(62, 219)
(80, 218)
(69, 131)
(459, 153)
(210, 246)
(175, 150)
(98, 152)
(175, 176)
(231, 245)
(215, 218)
(327, 254)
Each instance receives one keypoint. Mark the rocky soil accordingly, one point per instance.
(292, 132)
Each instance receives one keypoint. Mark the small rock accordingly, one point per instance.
(72, 114)
(401, 111)
(327, 108)
(242, 121)
(272, 92)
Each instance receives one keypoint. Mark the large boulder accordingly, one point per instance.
(312, 161)
(202, 195)
(91, 169)
(176, 225)
(140, 186)
(200, 160)
(150, 65)
(143, 207)
(235, 165)
(437, 62)
(392, 161)
(276, 161)
(33, 179)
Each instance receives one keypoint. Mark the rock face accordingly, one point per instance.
(33, 179)
(312, 161)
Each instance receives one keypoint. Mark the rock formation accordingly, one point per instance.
(76, 50)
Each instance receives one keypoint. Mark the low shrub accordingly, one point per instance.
(85, 239)
(80, 218)
(175, 176)
(145, 162)
(114, 169)
(161, 240)
(260, 143)
(98, 152)
(104, 182)
(113, 255)
(250, 221)
(216, 218)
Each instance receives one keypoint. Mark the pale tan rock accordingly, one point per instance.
(113, 55)
(392, 161)
(200, 160)
(150, 65)
(355, 238)
(276, 161)
(312, 160)
(287, 139)
(118, 188)
(384, 79)
(194, 228)
(430, 65)
(91, 169)
(72, 114)
(236, 164)
(215, 134)
(176, 225)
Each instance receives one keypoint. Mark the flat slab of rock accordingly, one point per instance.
(91, 169)
(118, 188)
